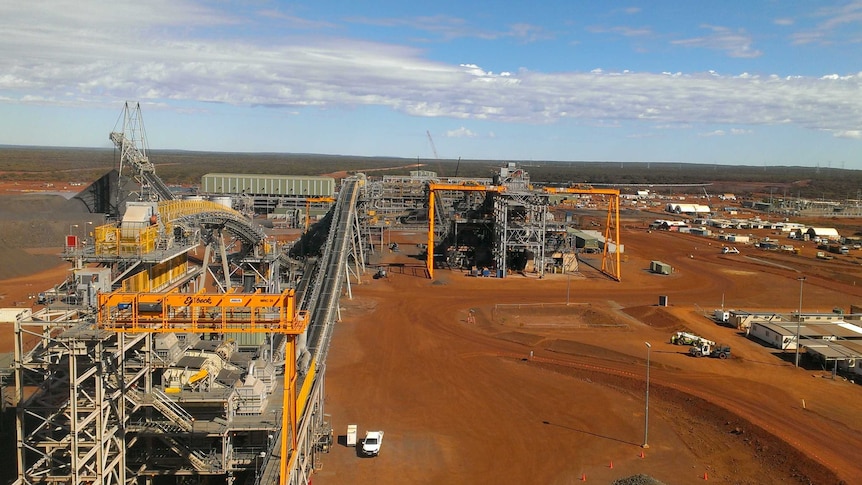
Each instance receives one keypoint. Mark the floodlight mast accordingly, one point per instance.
(801, 280)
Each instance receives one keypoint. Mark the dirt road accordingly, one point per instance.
(465, 403)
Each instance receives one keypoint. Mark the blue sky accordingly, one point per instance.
(729, 82)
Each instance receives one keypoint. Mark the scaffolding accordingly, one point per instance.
(101, 407)
(519, 231)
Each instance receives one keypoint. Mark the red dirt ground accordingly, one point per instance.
(464, 403)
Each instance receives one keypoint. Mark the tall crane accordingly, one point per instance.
(433, 148)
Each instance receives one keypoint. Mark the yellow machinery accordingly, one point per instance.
(216, 313)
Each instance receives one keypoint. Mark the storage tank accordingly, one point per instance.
(223, 200)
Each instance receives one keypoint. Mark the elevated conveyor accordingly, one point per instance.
(201, 212)
(341, 252)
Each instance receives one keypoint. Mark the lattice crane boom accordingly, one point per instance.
(433, 148)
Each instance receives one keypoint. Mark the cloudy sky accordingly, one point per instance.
(756, 82)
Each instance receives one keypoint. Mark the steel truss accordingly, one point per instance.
(71, 429)
(520, 225)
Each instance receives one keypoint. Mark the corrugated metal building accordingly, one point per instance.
(268, 185)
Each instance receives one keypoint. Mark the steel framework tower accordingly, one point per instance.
(71, 429)
(519, 225)
(132, 143)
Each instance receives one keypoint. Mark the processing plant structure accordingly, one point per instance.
(189, 347)
(501, 222)
(186, 346)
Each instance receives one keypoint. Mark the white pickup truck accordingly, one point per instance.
(371, 443)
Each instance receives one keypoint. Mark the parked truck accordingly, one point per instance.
(709, 348)
(838, 249)
(684, 338)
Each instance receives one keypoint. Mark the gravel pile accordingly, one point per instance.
(638, 480)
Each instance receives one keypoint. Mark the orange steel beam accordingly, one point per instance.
(575, 190)
(432, 188)
(229, 312)
(613, 215)
(613, 221)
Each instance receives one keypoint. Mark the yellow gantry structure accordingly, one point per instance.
(229, 312)
(611, 224)
(610, 266)
(432, 188)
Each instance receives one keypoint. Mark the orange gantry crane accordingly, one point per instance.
(610, 266)
(228, 312)
(612, 224)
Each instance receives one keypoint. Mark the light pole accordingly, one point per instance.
(646, 401)
(799, 317)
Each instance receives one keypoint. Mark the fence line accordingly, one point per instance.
(518, 306)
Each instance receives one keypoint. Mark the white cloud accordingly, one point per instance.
(96, 60)
(807, 37)
(852, 134)
(448, 28)
(625, 31)
(461, 133)
(733, 43)
(839, 23)
(627, 11)
(731, 132)
(844, 14)
(294, 21)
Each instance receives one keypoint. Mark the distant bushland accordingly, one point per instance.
(187, 167)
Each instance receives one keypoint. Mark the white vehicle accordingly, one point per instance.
(685, 338)
(729, 250)
(371, 443)
(709, 348)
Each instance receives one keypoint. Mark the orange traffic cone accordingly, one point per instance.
(583, 477)
(642, 454)
(705, 476)
(612, 464)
